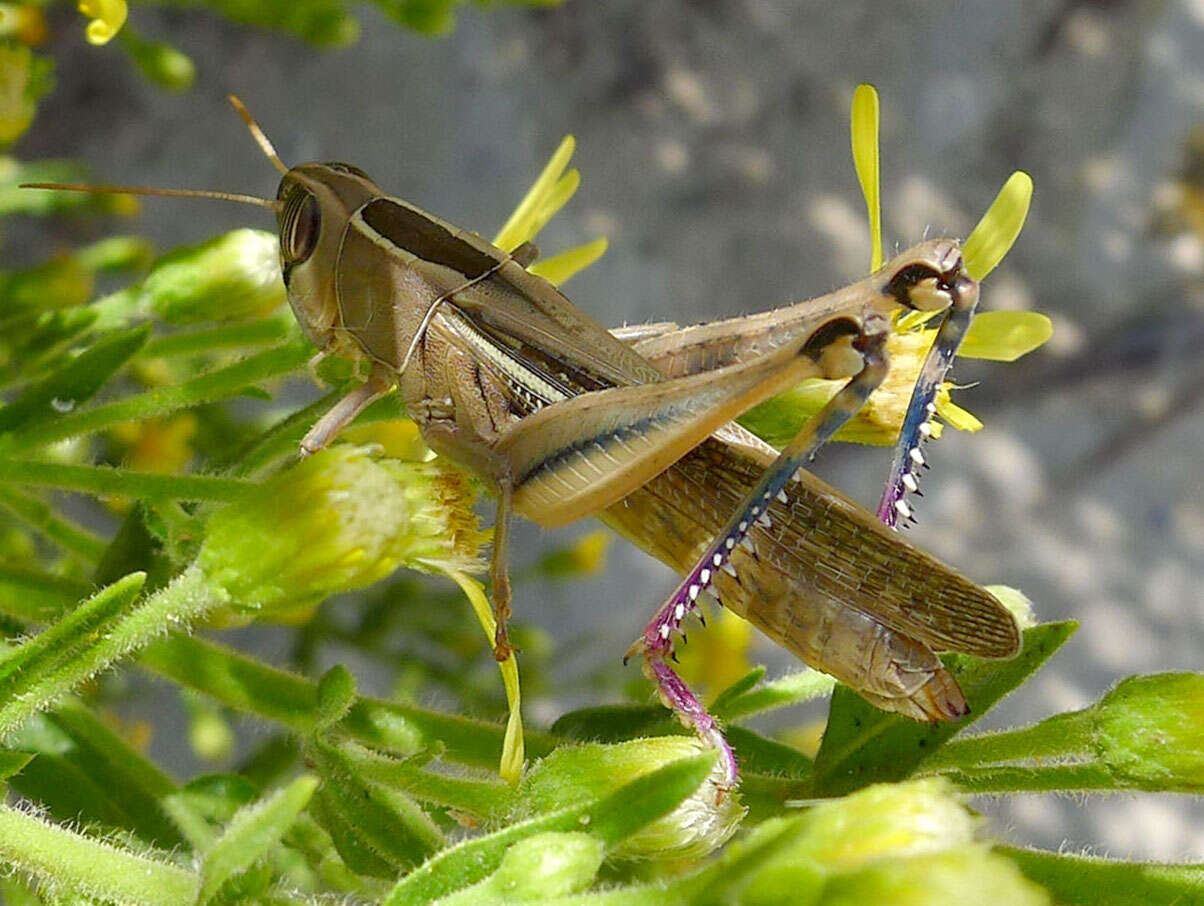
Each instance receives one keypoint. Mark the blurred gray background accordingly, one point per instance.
(713, 143)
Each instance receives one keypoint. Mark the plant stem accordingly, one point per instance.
(105, 481)
(1060, 736)
(64, 858)
(188, 597)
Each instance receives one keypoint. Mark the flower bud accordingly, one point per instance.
(1150, 730)
(230, 277)
(337, 521)
(895, 819)
(699, 825)
(548, 865)
(899, 843)
(971, 874)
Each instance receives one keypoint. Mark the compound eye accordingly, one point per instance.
(299, 227)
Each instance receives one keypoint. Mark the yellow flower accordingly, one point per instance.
(1001, 336)
(107, 18)
(549, 194)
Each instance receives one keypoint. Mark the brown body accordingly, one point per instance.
(506, 377)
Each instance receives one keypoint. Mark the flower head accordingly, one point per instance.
(699, 825)
(998, 336)
(338, 521)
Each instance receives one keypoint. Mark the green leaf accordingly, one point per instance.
(75, 862)
(251, 834)
(615, 723)
(610, 818)
(486, 799)
(26, 664)
(41, 517)
(1092, 881)
(34, 596)
(13, 762)
(1146, 734)
(75, 382)
(863, 745)
(219, 384)
(336, 695)
(85, 771)
(372, 818)
(245, 684)
(742, 700)
(758, 754)
(172, 608)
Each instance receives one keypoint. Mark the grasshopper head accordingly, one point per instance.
(928, 276)
(314, 204)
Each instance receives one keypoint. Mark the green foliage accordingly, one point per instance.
(141, 513)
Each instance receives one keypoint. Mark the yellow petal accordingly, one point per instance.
(557, 269)
(1004, 336)
(955, 415)
(518, 228)
(107, 18)
(999, 227)
(554, 201)
(864, 118)
(511, 766)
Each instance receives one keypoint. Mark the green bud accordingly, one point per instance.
(548, 865)
(209, 733)
(336, 695)
(699, 825)
(890, 819)
(1150, 729)
(970, 874)
(116, 253)
(888, 838)
(162, 63)
(231, 277)
(337, 521)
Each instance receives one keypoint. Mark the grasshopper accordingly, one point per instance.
(565, 419)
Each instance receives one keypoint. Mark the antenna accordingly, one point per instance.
(256, 133)
(271, 204)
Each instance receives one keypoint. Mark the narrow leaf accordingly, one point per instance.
(13, 762)
(787, 690)
(615, 723)
(41, 517)
(383, 821)
(251, 834)
(863, 745)
(171, 608)
(220, 384)
(67, 859)
(1091, 881)
(33, 596)
(35, 658)
(248, 685)
(75, 382)
(85, 771)
(610, 818)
